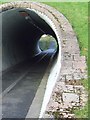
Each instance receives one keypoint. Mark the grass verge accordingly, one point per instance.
(83, 113)
(77, 14)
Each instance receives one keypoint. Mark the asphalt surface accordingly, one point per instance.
(20, 84)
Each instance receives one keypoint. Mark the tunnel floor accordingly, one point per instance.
(23, 82)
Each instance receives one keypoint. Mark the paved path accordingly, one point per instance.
(20, 85)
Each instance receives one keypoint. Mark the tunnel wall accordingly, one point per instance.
(17, 41)
(50, 17)
(20, 36)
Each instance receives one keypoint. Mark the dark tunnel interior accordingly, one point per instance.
(24, 63)
(21, 32)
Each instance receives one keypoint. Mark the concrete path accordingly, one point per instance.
(20, 86)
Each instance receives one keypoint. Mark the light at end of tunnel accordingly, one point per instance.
(44, 35)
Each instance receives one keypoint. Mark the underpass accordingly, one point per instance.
(23, 82)
(25, 67)
(23, 24)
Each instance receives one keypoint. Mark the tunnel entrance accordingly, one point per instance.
(25, 60)
(28, 72)
(21, 31)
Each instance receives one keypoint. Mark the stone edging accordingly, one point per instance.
(73, 65)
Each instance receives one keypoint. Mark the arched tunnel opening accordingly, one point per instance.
(30, 55)
(22, 28)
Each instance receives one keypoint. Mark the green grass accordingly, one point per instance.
(77, 14)
(83, 113)
(85, 83)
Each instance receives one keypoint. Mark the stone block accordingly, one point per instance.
(77, 57)
(67, 64)
(69, 88)
(69, 77)
(79, 65)
(66, 71)
(70, 97)
(67, 56)
(76, 76)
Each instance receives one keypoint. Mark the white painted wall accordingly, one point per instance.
(55, 71)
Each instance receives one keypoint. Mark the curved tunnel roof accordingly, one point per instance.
(21, 31)
(23, 23)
